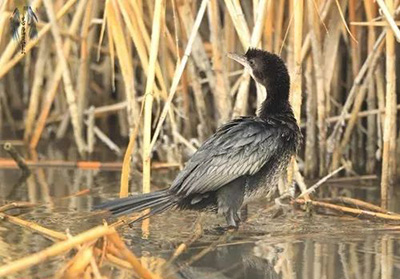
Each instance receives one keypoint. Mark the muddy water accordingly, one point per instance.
(290, 246)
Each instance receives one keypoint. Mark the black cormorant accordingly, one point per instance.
(243, 160)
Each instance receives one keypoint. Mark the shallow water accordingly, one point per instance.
(289, 246)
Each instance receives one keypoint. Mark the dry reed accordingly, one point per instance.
(125, 29)
(389, 132)
(168, 58)
(88, 257)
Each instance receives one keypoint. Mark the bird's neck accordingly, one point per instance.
(277, 102)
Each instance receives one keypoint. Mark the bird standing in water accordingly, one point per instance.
(243, 160)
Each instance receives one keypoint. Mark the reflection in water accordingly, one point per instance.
(287, 247)
(304, 258)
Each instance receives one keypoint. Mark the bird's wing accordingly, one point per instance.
(32, 30)
(14, 24)
(31, 14)
(32, 19)
(240, 147)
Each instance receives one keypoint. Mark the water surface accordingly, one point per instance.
(291, 246)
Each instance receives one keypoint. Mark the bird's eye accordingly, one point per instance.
(251, 62)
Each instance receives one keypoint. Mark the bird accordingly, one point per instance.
(241, 162)
(23, 14)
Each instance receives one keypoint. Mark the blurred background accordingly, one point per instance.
(83, 79)
(80, 79)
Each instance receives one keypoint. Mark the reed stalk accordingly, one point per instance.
(148, 101)
(36, 88)
(310, 164)
(56, 78)
(54, 250)
(371, 102)
(179, 70)
(222, 98)
(86, 43)
(296, 94)
(389, 132)
(68, 87)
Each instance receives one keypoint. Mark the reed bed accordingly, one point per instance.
(168, 57)
(150, 80)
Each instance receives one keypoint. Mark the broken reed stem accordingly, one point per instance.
(319, 183)
(387, 11)
(129, 256)
(389, 132)
(104, 138)
(68, 243)
(117, 261)
(76, 266)
(54, 250)
(356, 203)
(30, 225)
(17, 157)
(13, 205)
(300, 180)
(351, 211)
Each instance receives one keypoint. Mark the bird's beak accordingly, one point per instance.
(239, 58)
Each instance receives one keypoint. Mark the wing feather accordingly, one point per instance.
(14, 24)
(241, 147)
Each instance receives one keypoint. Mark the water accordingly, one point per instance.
(289, 246)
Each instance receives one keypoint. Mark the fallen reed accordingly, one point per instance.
(168, 57)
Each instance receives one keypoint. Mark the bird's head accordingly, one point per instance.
(267, 69)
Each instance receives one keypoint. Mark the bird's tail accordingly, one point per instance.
(157, 202)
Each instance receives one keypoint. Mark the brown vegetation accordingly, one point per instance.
(168, 57)
(156, 73)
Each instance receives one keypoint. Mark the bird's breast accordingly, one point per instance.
(265, 182)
